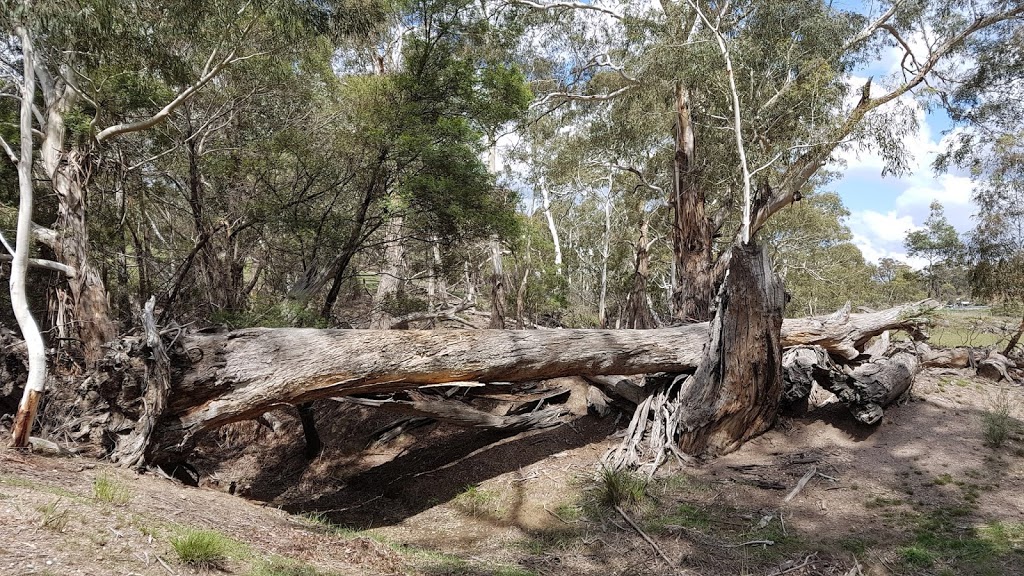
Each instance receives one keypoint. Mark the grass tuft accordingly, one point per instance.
(204, 549)
(477, 502)
(53, 516)
(997, 422)
(620, 488)
(110, 490)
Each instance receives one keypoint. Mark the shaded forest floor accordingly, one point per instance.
(921, 494)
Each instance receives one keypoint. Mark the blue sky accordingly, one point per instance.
(884, 209)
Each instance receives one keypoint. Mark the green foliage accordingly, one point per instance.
(938, 243)
(111, 491)
(203, 549)
(622, 488)
(812, 252)
(997, 422)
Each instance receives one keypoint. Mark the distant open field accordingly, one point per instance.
(975, 327)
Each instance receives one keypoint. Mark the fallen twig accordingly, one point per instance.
(166, 567)
(803, 482)
(751, 543)
(644, 536)
(806, 561)
(562, 520)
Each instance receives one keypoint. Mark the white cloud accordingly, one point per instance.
(899, 205)
(888, 228)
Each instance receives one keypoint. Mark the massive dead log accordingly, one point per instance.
(217, 378)
(865, 388)
(735, 393)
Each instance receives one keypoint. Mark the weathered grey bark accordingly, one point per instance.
(691, 229)
(735, 393)
(638, 312)
(155, 398)
(226, 377)
(865, 388)
(996, 367)
(463, 415)
(390, 280)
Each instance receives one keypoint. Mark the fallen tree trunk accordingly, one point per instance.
(419, 405)
(865, 388)
(226, 377)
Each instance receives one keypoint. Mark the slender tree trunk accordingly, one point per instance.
(355, 239)
(1014, 339)
(497, 287)
(437, 273)
(605, 251)
(390, 274)
(551, 225)
(35, 385)
(691, 231)
(638, 312)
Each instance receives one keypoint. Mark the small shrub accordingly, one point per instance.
(998, 424)
(204, 549)
(477, 502)
(620, 488)
(111, 491)
(53, 516)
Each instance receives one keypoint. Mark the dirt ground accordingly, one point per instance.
(923, 493)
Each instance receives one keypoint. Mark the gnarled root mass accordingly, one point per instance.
(735, 391)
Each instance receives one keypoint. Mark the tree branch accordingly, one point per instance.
(184, 96)
(872, 27)
(581, 97)
(8, 150)
(568, 6)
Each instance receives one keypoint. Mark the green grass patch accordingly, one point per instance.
(1003, 538)
(684, 516)
(620, 488)
(945, 542)
(569, 512)
(204, 549)
(477, 502)
(111, 491)
(53, 516)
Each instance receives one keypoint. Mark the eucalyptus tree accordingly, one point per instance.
(811, 251)
(107, 70)
(938, 243)
(983, 97)
(750, 100)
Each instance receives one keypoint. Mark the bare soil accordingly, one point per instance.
(920, 494)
